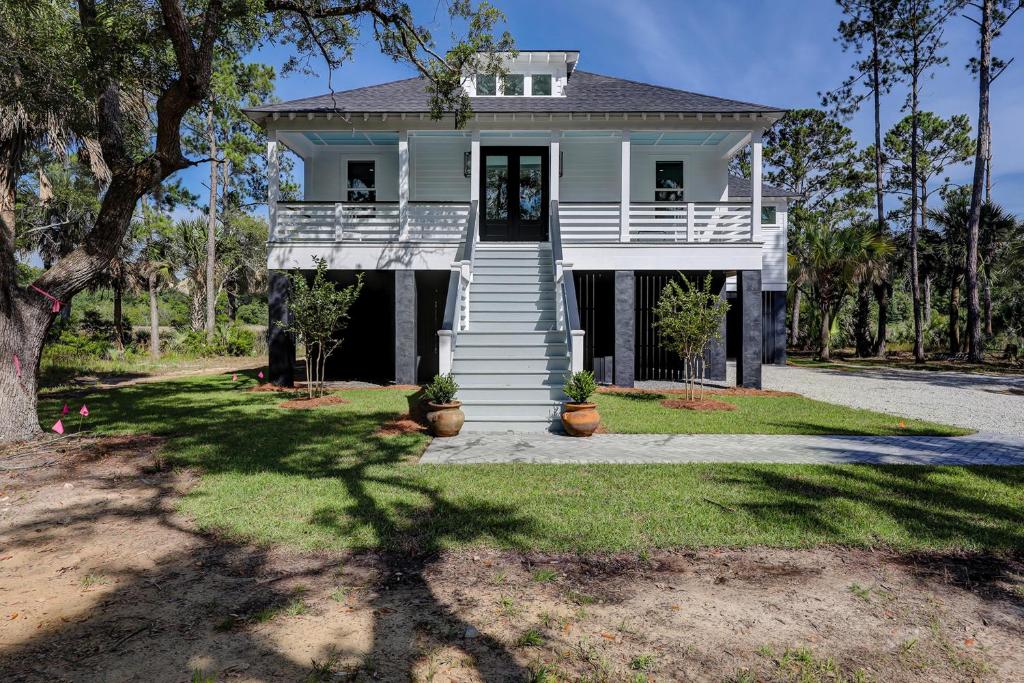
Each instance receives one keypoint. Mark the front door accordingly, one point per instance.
(514, 189)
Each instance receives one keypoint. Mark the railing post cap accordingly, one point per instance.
(445, 333)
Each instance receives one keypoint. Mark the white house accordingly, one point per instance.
(534, 240)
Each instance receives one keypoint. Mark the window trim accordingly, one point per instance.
(681, 190)
(348, 181)
(775, 209)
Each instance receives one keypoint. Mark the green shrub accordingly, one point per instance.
(580, 386)
(254, 313)
(239, 341)
(442, 389)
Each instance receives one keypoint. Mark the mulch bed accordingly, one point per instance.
(731, 391)
(307, 403)
(403, 424)
(706, 404)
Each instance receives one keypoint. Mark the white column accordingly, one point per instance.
(624, 192)
(554, 168)
(755, 186)
(474, 165)
(273, 183)
(403, 184)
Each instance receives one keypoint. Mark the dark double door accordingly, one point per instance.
(514, 194)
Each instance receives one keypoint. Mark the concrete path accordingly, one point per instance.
(988, 403)
(504, 447)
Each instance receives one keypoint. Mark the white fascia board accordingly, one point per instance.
(634, 256)
(365, 256)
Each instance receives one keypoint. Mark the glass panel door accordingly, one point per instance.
(496, 188)
(514, 194)
(531, 188)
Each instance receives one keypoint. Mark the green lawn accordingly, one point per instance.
(642, 413)
(324, 479)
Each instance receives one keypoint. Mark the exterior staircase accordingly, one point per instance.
(512, 361)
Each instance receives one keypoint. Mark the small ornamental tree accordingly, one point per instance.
(318, 314)
(688, 319)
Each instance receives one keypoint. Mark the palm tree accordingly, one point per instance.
(836, 260)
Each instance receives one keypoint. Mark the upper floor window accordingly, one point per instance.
(769, 215)
(486, 84)
(668, 181)
(540, 84)
(362, 184)
(512, 84)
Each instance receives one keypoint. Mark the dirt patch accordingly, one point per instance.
(307, 403)
(101, 579)
(267, 387)
(708, 404)
(731, 391)
(403, 424)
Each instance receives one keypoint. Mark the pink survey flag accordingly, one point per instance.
(260, 375)
(17, 365)
(234, 377)
(84, 412)
(58, 427)
(65, 410)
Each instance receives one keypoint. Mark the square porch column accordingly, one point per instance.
(625, 328)
(403, 184)
(624, 165)
(273, 183)
(715, 355)
(755, 186)
(405, 327)
(474, 166)
(280, 344)
(554, 165)
(748, 358)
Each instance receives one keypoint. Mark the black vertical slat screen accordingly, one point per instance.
(653, 361)
(595, 294)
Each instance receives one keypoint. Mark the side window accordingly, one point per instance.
(486, 84)
(540, 84)
(362, 184)
(512, 84)
(668, 181)
(769, 215)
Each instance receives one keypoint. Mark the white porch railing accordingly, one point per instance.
(686, 222)
(310, 221)
(589, 221)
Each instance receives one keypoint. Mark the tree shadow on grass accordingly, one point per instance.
(237, 436)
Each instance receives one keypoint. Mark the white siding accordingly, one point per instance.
(591, 171)
(437, 169)
(705, 175)
(775, 266)
(326, 173)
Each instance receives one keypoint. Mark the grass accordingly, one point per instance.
(642, 413)
(68, 373)
(324, 479)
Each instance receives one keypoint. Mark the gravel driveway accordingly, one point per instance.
(988, 403)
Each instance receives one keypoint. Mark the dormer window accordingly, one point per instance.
(512, 85)
(540, 84)
(486, 84)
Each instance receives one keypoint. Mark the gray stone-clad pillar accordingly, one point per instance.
(280, 344)
(748, 359)
(625, 328)
(405, 326)
(779, 326)
(714, 355)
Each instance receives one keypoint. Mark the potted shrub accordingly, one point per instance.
(580, 417)
(444, 413)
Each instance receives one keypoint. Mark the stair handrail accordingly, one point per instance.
(456, 306)
(567, 312)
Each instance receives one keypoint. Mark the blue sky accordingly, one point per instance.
(780, 53)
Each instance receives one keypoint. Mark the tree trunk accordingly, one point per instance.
(862, 321)
(954, 316)
(118, 317)
(927, 300)
(794, 321)
(915, 283)
(23, 328)
(154, 317)
(883, 292)
(881, 289)
(825, 335)
(211, 233)
(975, 347)
(197, 316)
(232, 303)
(988, 301)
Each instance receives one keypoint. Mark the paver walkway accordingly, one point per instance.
(504, 447)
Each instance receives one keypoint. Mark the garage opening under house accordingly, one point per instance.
(533, 241)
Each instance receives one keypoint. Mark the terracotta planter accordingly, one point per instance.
(580, 419)
(445, 419)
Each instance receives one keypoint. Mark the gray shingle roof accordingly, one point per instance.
(740, 187)
(585, 92)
